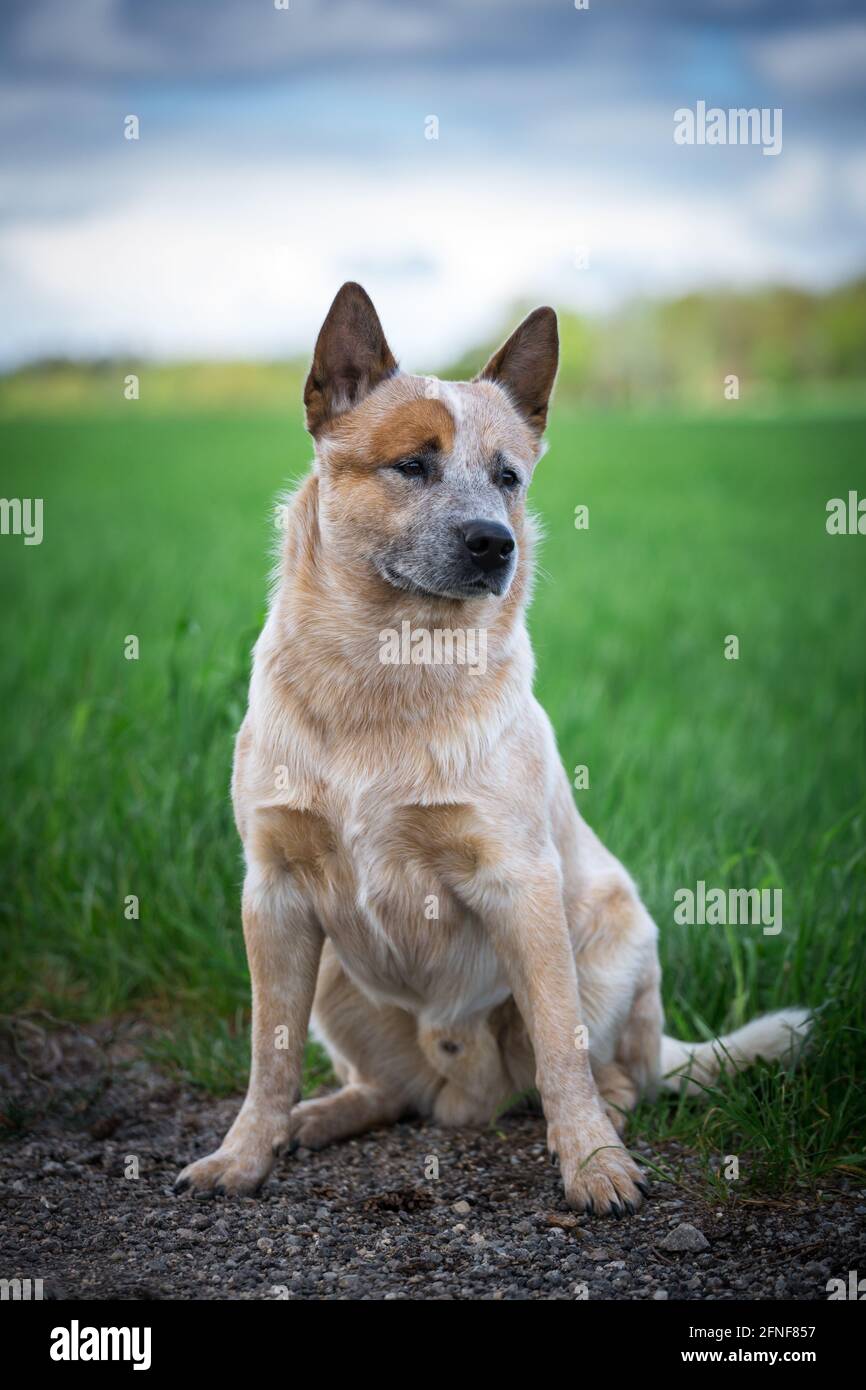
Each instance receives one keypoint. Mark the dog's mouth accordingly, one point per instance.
(474, 587)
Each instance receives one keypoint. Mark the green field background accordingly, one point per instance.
(741, 773)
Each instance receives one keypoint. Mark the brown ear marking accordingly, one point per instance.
(526, 366)
(350, 359)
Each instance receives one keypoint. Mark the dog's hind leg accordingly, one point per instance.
(375, 1053)
(353, 1109)
(638, 1051)
(618, 1092)
(617, 964)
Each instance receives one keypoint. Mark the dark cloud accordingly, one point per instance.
(533, 73)
(109, 41)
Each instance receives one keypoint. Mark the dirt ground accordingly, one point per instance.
(368, 1219)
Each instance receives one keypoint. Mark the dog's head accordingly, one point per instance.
(423, 482)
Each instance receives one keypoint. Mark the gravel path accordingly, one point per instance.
(366, 1219)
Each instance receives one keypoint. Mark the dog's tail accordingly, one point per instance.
(694, 1066)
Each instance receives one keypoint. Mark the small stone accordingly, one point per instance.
(565, 1221)
(685, 1239)
(660, 1295)
(462, 1208)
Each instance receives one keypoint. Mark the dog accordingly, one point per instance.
(418, 879)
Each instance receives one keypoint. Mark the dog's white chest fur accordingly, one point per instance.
(382, 887)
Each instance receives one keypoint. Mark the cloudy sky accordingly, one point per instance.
(284, 151)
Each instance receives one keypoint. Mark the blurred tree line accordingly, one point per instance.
(680, 351)
(781, 344)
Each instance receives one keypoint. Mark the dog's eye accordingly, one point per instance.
(508, 478)
(411, 468)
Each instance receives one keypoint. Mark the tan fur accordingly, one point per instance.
(362, 792)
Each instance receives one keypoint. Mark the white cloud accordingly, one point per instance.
(853, 172)
(244, 260)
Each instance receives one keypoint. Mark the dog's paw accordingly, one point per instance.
(228, 1172)
(599, 1176)
(314, 1124)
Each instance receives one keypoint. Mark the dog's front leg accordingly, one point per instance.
(284, 944)
(530, 932)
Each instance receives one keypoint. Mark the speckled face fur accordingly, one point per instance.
(431, 488)
(423, 478)
(419, 883)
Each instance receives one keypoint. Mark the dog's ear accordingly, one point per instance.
(526, 366)
(351, 357)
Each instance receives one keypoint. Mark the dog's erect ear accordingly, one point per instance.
(526, 366)
(351, 357)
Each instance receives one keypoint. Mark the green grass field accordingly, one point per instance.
(741, 773)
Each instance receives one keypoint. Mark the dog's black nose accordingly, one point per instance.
(489, 543)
